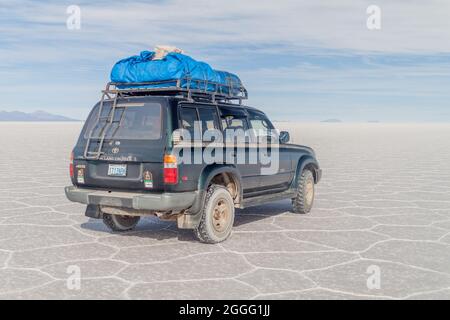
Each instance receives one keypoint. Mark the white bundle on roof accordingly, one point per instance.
(162, 51)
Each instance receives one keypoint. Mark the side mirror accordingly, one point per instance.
(284, 137)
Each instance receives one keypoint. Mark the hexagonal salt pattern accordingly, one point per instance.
(380, 227)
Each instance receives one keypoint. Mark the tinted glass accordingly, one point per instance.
(233, 118)
(130, 121)
(189, 119)
(230, 122)
(261, 127)
(259, 123)
(208, 118)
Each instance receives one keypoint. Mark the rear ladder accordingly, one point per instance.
(97, 153)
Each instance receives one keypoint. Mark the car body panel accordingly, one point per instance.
(146, 156)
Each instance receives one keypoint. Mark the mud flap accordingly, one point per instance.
(93, 211)
(189, 221)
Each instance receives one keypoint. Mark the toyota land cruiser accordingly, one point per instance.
(130, 161)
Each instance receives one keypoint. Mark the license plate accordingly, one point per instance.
(117, 170)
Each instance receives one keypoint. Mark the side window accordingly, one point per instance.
(233, 122)
(233, 118)
(234, 126)
(209, 119)
(261, 126)
(189, 119)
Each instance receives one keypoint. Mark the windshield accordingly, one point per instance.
(134, 121)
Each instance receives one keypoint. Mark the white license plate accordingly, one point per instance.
(117, 170)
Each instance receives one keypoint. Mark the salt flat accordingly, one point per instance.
(383, 207)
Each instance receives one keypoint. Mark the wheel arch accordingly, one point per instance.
(305, 162)
(225, 175)
(191, 219)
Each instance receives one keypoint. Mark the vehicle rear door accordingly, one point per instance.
(122, 147)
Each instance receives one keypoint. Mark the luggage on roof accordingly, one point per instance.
(174, 69)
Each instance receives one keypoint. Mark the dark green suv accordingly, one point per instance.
(168, 153)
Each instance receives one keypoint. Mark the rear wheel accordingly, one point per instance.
(304, 199)
(120, 223)
(217, 217)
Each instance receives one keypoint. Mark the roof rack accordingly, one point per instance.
(192, 89)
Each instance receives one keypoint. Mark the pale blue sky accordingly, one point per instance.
(300, 60)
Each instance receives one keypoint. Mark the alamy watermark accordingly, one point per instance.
(236, 146)
(73, 281)
(374, 19)
(374, 279)
(73, 21)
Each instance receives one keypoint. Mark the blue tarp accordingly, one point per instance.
(174, 66)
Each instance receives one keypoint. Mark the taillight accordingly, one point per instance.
(170, 169)
(71, 165)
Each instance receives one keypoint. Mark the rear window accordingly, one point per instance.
(189, 119)
(133, 121)
(208, 118)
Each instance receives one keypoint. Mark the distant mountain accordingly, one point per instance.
(332, 120)
(34, 116)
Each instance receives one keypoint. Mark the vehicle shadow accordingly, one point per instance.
(154, 229)
(262, 212)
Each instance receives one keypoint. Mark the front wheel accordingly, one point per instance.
(304, 199)
(217, 216)
(120, 223)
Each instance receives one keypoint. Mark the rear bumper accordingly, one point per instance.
(137, 201)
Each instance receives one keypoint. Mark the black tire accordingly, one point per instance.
(304, 199)
(120, 223)
(217, 216)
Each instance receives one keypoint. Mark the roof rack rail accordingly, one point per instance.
(190, 88)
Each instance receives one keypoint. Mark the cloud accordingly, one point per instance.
(320, 51)
(370, 78)
(413, 26)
